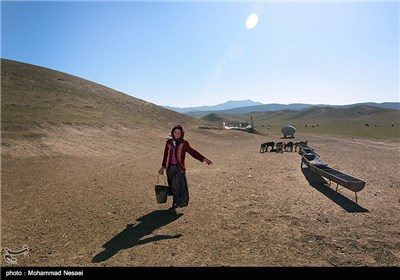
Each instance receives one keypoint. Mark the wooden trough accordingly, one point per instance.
(318, 166)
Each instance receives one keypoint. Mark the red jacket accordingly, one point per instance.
(181, 150)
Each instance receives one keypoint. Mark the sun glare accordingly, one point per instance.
(251, 21)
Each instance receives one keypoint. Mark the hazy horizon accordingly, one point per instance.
(185, 54)
(281, 103)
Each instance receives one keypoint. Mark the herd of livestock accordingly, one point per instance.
(280, 147)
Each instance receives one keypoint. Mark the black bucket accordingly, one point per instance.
(161, 193)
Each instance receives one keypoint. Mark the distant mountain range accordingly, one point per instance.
(219, 107)
(248, 106)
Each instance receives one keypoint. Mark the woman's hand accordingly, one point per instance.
(206, 160)
(161, 171)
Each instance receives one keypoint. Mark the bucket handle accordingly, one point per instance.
(158, 179)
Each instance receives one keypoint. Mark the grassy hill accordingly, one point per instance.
(32, 95)
(49, 113)
(326, 120)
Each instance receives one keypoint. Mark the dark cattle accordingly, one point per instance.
(269, 144)
(289, 146)
(264, 146)
(297, 144)
(280, 147)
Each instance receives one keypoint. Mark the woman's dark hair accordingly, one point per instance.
(181, 129)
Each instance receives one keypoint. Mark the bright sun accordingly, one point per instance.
(251, 21)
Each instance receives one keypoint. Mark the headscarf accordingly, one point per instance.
(180, 139)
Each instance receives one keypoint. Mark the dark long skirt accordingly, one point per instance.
(178, 185)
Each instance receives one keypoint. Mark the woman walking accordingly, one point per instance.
(174, 162)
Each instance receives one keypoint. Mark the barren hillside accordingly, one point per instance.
(42, 108)
(33, 95)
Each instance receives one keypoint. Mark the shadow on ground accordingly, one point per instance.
(320, 184)
(132, 235)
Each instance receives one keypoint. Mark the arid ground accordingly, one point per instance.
(84, 196)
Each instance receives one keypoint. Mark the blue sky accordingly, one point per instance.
(187, 53)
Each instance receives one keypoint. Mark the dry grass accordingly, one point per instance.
(33, 95)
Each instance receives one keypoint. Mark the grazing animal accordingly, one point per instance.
(366, 124)
(280, 147)
(392, 124)
(298, 144)
(289, 146)
(269, 144)
(264, 146)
